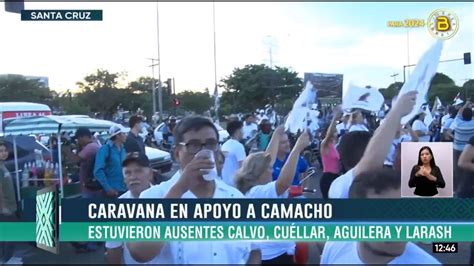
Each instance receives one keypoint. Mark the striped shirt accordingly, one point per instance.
(463, 131)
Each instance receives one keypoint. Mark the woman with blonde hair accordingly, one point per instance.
(254, 179)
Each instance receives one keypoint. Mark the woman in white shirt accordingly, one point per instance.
(421, 129)
(254, 180)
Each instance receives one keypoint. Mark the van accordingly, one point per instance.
(12, 110)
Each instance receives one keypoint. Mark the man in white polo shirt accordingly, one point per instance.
(137, 176)
(191, 135)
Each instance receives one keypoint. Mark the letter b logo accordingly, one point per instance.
(442, 23)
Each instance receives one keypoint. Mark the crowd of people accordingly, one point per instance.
(359, 158)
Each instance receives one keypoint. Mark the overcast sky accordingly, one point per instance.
(347, 38)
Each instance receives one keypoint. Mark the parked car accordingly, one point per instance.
(26, 147)
(223, 134)
(160, 161)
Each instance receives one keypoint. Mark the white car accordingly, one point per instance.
(158, 132)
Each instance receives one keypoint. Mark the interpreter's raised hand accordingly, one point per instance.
(303, 141)
(425, 172)
(193, 170)
(405, 103)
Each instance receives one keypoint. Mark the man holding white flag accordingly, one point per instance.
(297, 119)
(420, 80)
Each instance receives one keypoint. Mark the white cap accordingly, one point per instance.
(117, 129)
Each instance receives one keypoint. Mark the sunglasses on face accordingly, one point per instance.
(194, 146)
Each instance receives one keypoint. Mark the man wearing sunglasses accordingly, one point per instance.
(193, 180)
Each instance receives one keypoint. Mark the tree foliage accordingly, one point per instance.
(197, 102)
(254, 86)
(17, 88)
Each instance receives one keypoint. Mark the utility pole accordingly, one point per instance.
(160, 89)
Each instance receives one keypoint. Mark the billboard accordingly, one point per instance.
(327, 85)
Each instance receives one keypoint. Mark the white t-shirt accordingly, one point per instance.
(444, 119)
(340, 186)
(202, 252)
(234, 153)
(249, 129)
(271, 250)
(419, 125)
(127, 257)
(342, 252)
(358, 127)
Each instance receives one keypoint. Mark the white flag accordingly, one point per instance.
(438, 102)
(362, 98)
(428, 116)
(420, 80)
(297, 119)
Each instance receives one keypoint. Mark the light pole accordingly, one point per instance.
(153, 84)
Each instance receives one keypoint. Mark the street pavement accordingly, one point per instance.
(67, 254)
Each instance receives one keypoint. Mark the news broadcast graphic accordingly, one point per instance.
(426, 170)
(439, 220)
(47, 222)
(61, 15)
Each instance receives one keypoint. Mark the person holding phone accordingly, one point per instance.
(426, 176)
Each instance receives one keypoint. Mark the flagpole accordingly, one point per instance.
(216, 92)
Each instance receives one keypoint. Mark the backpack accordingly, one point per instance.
(91, 182)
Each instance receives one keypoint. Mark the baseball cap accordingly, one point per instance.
(117, 129)
(136, 157)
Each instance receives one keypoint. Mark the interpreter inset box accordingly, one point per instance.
(427, 169)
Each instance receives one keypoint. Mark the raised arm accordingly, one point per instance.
(466, 105)
(272, 148)
(379, 144)
(287, 173)
(332, 127)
